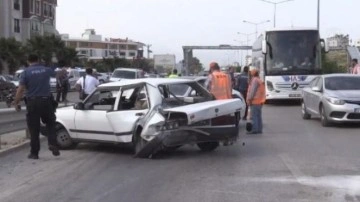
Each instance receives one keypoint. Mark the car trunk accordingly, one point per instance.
(207, 110)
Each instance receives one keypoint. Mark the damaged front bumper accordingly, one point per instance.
(187, 135)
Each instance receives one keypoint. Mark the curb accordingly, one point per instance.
(18, 147)
(12, 110)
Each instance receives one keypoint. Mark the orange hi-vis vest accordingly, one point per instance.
(260, 94)
(220, 85)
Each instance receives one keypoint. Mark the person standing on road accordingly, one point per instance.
(232, 76)
(39, 104)
(174, 74)
(355, 66)
(256, 99)
(62, 85)
(219, 83)
(87, 84)
(242, 86)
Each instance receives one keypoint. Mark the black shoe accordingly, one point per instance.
(33, 156)
(55, 151)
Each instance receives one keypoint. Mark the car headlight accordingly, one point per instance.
(270, 85)
(335, 101)
(171, 125)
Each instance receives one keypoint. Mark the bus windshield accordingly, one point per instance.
(293, 53)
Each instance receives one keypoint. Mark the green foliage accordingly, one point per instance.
(195, 66)
(330, 66)
(11, 54)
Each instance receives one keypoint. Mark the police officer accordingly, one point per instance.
(39, 104)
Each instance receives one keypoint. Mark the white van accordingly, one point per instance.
(126, 73)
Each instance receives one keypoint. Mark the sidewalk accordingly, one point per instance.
(12, 140)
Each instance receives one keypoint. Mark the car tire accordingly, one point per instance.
(208, 146)
(139, 144)
(63, 139)
(324, 120)
(305, 114)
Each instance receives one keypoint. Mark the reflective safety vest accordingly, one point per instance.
(173, 76)
(260, 94)
(220, 85)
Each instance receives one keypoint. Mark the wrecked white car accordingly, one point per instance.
(147, 114)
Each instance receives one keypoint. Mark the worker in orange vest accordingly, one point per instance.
(219, 83)
(255, 99)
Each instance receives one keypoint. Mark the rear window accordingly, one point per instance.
(124, 74)
(190, 93)
(342, 83)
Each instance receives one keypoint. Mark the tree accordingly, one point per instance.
(11, 55)
(329, 66)
(195, 66)
(46, 46)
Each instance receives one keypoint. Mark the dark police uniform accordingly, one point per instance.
(243, 84)
(39, 104)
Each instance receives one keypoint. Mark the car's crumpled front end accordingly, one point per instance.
(215, 121)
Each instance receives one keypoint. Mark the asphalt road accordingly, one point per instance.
(294, 160)
(10, 122)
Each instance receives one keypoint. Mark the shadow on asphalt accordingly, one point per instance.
(283, 103)
(339, 125)
(185, 152)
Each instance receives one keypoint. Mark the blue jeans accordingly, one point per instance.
(256, 118)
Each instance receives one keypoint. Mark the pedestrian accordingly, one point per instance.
(62, 85)
(242, 86)
(232, 76)
(39, 104)
(218, 83)
(256, 99)
(174, 74)
(355, 66)
(87, 84)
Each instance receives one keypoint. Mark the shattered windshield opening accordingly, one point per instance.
(183, 94)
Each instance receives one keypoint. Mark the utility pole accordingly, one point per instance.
(256, 25)
(148, 50)
(318, 15)
(275, 4)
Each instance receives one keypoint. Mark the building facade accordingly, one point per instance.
(92, 47)
(23, 19)
(338, 41)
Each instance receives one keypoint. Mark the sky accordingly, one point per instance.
(170, 24)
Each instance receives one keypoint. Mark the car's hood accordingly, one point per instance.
(344, 94)
(207, 110)
(116, 79)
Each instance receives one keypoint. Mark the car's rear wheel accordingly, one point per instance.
(64, 140)
(208, 146)
(305, 114)
(324, 120)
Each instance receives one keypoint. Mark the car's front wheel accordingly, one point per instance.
(324, 120)
(305, 114)
(208, 146)
(64, 140)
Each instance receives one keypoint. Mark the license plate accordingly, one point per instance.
(357, 110)
(294, 95)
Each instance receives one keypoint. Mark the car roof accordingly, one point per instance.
(150, 81)
(196, 78)
(340, 75)
(128, 69)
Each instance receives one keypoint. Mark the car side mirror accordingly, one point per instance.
(324, 45)
(264, 47)
(316, 89)
(79, 106)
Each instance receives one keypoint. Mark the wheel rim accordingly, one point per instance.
(322, 114)
(63, 139)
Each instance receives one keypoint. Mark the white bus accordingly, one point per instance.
(288, 60)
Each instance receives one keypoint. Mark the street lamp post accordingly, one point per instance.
(318, 15)
(240, 51)
(256, 25)
(275, 4)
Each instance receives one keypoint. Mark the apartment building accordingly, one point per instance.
(23, 19)
(93, 47)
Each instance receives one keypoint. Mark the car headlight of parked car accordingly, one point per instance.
(335, 101)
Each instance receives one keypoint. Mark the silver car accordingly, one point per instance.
(333, 97)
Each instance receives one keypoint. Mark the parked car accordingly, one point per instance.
(126, 73)
(333, 97)
(148, 115)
